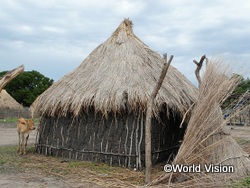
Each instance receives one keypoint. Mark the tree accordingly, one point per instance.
(243, 86)
(26, 87)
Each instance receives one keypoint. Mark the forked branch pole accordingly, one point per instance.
(150, 105)
(10, 76)
(197, 74)
(197, 71)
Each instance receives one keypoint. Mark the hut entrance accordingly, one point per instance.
(166, 136)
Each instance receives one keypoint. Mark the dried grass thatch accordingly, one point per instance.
(207, 140)
(9, 107)
(119, 74)
(6, 101)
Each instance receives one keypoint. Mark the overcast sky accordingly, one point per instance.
(55, 36)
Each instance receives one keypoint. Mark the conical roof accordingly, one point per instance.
(7, 101)
(120, 73)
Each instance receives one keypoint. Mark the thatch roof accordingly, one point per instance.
(7, 101)
(9, 107)
(120, 73)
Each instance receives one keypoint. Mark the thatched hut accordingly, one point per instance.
(97, 111)
(10, 108)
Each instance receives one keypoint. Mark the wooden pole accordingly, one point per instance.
(150, 105)
(10, 76)
(199, 65)
(197, 74)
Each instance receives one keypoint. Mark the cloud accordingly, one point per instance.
(52, 29)
(55, 36)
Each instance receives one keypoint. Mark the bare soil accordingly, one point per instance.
(9, 136)
(31, 177)
(242, 136)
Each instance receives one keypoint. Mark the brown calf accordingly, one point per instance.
(24, 127)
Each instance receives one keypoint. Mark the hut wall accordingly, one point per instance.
(116, 140)
(12, 112)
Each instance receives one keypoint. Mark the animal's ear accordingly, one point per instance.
(30, 121)
(22, 121)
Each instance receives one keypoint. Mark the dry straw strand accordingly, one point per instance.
(207, 140)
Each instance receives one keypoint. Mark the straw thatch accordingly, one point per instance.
(119, 74)
(9, 107)
(97, 112)
(6, 101)
(207, 140)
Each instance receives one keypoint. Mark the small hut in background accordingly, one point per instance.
(10, 108)
(239, 110)
(97, 111)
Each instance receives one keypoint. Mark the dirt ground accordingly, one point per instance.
(241, 132)
(32, 178)
(9, 136)
(35, 178)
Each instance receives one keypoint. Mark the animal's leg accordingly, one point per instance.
(19, 144)
(22, 145)
(26, 140)
(27, 137)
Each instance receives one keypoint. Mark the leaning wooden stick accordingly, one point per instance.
(185, 115)
(149, 113)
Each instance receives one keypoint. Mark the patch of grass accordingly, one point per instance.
(8, 120)
(244, 183)
(11, 120)
(10, 159)
(99, 173)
